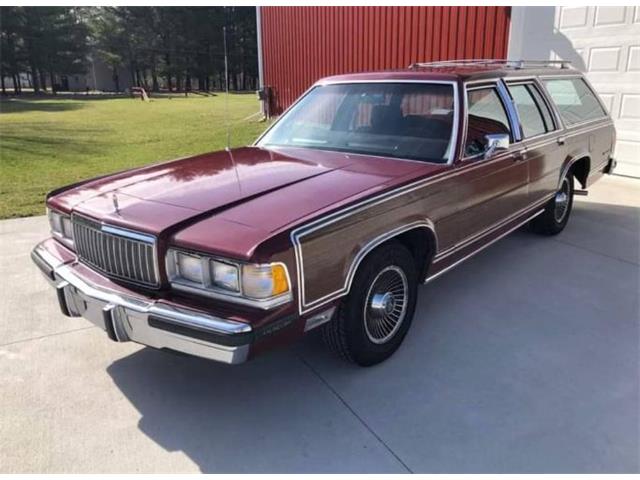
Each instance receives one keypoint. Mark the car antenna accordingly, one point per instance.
(226, 106)
(226, 87)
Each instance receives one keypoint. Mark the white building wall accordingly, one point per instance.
(602, 41)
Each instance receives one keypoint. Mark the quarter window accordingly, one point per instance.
(486, 115)
(574, 100)
(535, 118)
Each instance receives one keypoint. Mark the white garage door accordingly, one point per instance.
(605, 43)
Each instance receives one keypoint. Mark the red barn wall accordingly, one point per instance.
(302, 44)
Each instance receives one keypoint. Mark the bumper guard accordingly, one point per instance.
(142, 320)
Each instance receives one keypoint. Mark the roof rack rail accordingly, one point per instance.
(515, 64)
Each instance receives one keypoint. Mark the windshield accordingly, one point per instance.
(402, 120)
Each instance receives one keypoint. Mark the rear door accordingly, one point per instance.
(541, 138)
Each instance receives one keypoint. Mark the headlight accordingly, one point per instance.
(225, 276)
(189, 267)
(60, 225)
(261, 285)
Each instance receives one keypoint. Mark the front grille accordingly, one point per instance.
(119, 253)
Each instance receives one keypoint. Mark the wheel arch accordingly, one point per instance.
(419, 237)
(411, 232)
(580, 165)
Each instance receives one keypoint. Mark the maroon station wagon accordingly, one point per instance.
(369, 185)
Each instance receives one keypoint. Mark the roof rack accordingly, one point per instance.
(486, 62)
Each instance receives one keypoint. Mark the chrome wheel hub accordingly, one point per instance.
(561, 201)
(386, 304)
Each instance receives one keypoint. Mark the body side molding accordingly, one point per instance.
(305, 306)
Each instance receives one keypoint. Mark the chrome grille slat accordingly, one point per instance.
(138, 258)
(146, 265)
(120, 262)
(128, 255)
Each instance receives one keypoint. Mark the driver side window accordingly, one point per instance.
(485, 115)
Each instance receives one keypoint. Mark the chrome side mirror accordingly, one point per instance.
(495, 143)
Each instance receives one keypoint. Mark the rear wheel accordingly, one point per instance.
(556, 212)
(373, 319)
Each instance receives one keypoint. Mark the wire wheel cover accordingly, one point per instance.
(386, 304)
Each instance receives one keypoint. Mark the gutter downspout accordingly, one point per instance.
(260, 67)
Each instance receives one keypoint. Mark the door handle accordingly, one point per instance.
(520, 155)
(561, 140)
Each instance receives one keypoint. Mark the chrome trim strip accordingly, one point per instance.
(512, 112)
(466, 257)
(569, 134)
(319, 319)
(122, 232)
(487, 231)
(303, 306)
(262, 304)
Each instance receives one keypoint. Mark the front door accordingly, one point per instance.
(487, 190)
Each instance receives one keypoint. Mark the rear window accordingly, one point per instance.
(574, 99)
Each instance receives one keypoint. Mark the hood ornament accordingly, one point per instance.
(114, 199)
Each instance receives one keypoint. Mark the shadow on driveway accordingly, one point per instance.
(523, 359)
(269, 415)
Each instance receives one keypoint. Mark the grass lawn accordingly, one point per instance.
(46, 143)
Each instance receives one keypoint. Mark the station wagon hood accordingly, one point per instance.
(246, 192)
(155, 197)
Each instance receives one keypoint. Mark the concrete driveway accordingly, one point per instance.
(523, 359)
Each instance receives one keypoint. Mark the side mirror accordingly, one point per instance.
(496, 142)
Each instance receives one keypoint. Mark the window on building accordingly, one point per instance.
(535, 118)
(574, 100)
(486, 115)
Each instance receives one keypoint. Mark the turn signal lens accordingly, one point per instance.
(280, 280)
(264, 281)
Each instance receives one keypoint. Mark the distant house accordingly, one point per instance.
(100, 77)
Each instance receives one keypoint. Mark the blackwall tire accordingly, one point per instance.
(557, 211)
(372, 321)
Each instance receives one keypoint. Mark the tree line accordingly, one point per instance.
(157, 48)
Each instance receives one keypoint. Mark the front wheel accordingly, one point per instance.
(373, 319)
(556, 212)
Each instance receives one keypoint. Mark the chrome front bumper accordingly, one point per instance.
(125, 315)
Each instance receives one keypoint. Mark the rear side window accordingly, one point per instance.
(486, 115)
(534, 114)
(574, 100)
